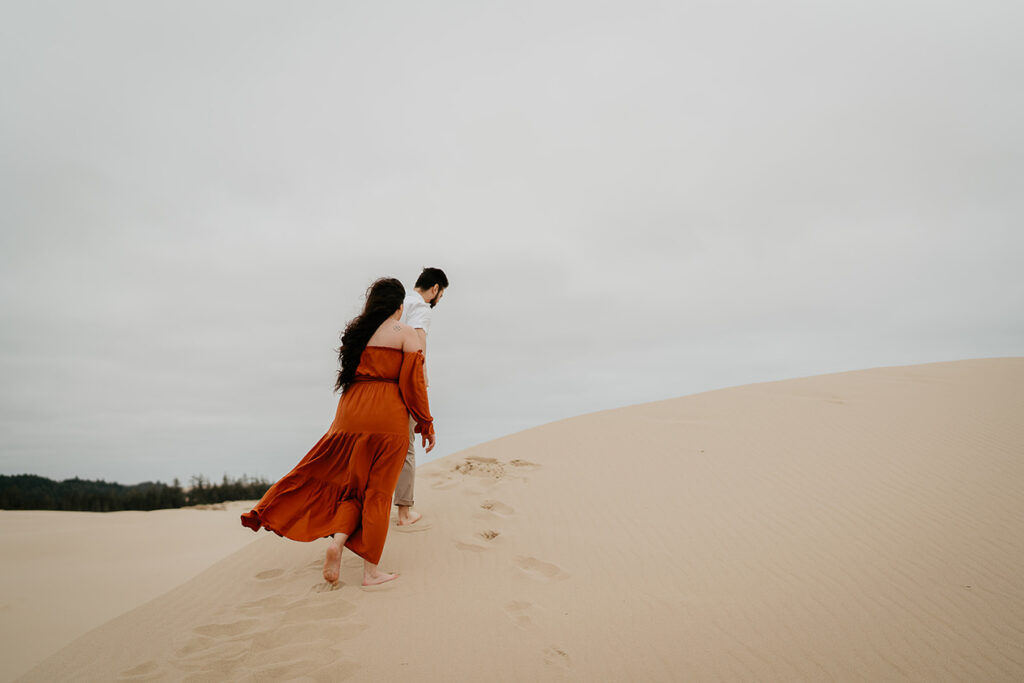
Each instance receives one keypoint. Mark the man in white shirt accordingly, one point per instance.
(418, 303)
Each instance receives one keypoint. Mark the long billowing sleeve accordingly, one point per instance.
(413, 386)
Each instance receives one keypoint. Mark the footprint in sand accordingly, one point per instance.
(194, 645)
(539, 570)
(314, 608)
(269, 574)
(264, 604)
(474, 544)
(556, 657)
(479, 466)
(324, 587)
(233, 628)
(519, 612)
(497, 507)
(523, 464)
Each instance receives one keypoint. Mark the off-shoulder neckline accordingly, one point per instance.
(389, 348)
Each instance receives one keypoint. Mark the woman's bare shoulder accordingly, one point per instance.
(391, 333)
(410, 340)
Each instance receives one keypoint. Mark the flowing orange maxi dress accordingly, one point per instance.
(345, 483)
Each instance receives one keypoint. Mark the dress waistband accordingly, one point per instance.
(376, 379)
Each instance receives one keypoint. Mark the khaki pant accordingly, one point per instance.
(407, 479)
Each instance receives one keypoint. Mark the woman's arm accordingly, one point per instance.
(411, 341)
(415, 339)
(413, 386)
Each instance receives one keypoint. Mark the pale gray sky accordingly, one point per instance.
(633, 201)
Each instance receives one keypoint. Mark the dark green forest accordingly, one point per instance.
(32, 492)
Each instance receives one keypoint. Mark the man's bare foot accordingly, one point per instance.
(409, 517)
(378, 578)
(332, 564)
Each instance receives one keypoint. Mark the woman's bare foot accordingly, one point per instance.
(407, 516)
(377, 577)
(332, 563)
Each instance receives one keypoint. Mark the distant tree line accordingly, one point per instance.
(31, 492)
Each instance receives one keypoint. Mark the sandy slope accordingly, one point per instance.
(63, 574)
(859, 526)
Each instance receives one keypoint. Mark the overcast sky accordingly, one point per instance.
(632, 200)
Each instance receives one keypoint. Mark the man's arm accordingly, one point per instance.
(422, 334)
(418, 318)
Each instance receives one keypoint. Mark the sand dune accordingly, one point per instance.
(858, 526)
(63, 574)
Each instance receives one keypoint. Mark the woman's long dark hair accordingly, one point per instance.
(382, 300)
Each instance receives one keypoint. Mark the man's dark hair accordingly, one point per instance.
(430, 277)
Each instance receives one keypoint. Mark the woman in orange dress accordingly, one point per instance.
(343, 487)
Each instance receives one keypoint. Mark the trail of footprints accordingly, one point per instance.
(486, 473)
(280, 636)
(275, 641)
(272, 636)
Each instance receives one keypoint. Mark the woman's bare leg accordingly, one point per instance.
(332, 558)
(373, 576)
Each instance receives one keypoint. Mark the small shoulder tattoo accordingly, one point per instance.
(398, 327)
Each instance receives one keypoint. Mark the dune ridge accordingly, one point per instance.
(866, 525)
